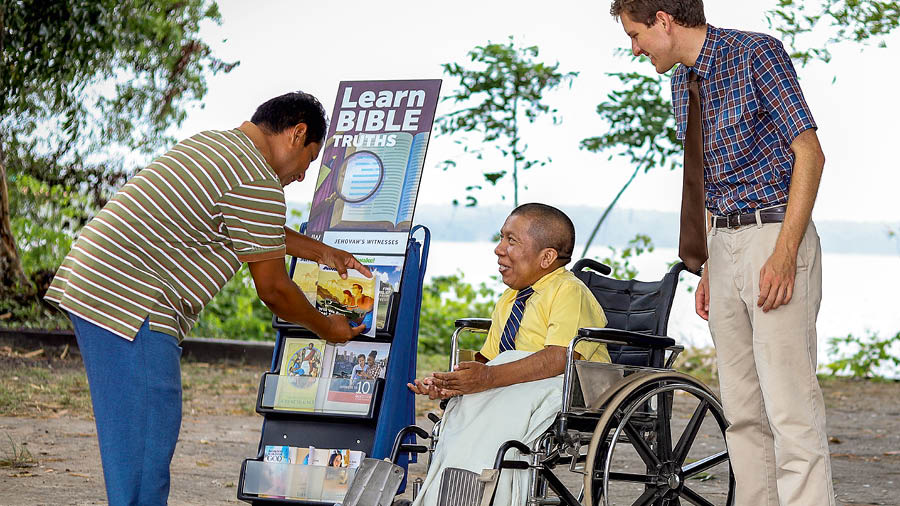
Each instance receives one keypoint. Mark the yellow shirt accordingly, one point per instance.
(560, 305)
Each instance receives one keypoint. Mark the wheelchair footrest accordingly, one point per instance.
(461, 487)
(376, 483)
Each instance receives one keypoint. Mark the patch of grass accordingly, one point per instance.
(32, 390)
(219, 389)
(17, 456)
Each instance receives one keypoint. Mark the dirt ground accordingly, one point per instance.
(49, 453)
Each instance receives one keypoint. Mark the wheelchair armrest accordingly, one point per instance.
(628, 338)
(474, 323)
(477, 325)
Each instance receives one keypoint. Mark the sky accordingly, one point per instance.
(290, 45)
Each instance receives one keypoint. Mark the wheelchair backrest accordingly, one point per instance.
(637, 306)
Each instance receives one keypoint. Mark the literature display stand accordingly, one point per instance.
(327, 406)
(328, 424)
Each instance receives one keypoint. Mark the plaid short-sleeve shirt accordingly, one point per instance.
(752, 109)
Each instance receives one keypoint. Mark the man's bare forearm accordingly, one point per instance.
(299, 245)
(809, 162)
(549, 362)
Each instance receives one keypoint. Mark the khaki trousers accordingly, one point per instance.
(767, 371)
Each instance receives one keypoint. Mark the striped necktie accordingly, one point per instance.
(508, 339)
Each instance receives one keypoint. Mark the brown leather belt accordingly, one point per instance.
(768, 215)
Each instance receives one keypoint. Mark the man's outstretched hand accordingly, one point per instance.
(466, 378)
(425, 386)
(340, 261)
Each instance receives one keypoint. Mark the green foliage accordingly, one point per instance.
(80, 83)
(857, 21)
(620, 262)
(859, 357)
(236, 312)
(101, 71)
(446, 299)
(642, 128)
(505, 89)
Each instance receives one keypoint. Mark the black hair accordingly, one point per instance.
(550, 228)
(285, 111)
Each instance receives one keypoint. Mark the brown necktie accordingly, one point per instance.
(692, 242)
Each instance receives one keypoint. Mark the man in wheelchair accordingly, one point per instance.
(513, 388)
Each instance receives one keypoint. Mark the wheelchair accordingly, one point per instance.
(635, 430)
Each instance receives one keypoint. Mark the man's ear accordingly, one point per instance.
(298, 134)
(548, 257)
(666, 20)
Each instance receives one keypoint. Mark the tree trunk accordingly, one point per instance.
(12, 278)
(611, 205)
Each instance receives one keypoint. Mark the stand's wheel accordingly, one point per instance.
(660, 442)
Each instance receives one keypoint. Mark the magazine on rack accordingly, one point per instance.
(387, 269)
(301, 369)
(351, 383)
(353, 297)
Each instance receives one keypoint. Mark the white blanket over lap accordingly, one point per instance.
(476, 425)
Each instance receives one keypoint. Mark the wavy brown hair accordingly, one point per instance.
(688, 13)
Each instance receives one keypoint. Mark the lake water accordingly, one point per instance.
(859, 291)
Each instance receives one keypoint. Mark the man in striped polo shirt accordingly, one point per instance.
(143, 269)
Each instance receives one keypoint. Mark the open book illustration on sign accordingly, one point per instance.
(377, 185)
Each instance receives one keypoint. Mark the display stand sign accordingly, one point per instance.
(366, 193)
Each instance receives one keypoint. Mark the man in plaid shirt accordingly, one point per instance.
(761, 286)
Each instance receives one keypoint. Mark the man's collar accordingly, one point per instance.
(707, 57)
(546, 279)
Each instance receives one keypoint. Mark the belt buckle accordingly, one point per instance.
(733, 224)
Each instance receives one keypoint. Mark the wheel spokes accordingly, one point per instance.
(641, 447)
(631, 478)
(647, 498)
(690, 433)
(664, 425)
(695, 468)
(694, 498)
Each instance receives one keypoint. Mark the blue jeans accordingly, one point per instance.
(136, 393)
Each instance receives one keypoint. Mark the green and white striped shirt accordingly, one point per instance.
(170, 238)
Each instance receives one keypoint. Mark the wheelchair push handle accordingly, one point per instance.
(400, 447)
(593, 265)
(499, 463)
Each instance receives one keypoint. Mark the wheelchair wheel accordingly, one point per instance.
(660, 441)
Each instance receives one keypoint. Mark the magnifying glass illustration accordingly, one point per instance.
(361, 175)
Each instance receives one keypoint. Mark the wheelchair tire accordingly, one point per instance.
(644, 437)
